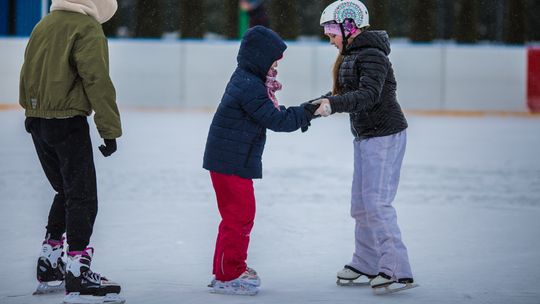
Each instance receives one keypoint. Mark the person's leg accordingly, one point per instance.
(79, 180)
(56, 224)
(236, 203)
(382, 158)
(366, 254)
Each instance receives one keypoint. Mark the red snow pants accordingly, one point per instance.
(236, 202)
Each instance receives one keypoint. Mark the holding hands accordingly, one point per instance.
(319, 106)
(310, 109)
(324, 108)
(316, 108)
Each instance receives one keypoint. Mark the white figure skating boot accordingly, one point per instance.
(51, 267)
(247, 284)
(384, 284)
(350, 276)
(83, 286)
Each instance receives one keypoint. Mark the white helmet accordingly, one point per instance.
(341, 10)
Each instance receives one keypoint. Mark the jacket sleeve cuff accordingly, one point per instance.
(110, 135)
(334, 105)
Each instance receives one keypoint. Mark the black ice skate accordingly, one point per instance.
(85, 286)
(51, 267)
(350, 276)
(384, 284)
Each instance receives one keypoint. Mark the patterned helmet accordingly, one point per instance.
(342, 10)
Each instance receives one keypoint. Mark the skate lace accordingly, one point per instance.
(250, 274)
(251, 271)
(93, 276)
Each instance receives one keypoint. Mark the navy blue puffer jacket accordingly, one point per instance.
(237, 134)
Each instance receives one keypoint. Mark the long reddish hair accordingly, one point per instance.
(335, 70)
(335, 74)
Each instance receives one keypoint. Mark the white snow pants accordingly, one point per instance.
(378, 246)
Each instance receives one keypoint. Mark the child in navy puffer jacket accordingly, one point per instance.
(234, 149)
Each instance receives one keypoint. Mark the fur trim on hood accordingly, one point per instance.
(101, 10)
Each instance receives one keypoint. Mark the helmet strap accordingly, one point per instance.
(345, 38)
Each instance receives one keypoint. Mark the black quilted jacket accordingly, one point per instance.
(368, 88)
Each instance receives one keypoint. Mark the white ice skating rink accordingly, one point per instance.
(468, 206)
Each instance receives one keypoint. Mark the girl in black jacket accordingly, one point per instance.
(365, 87)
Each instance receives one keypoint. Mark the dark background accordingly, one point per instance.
(462, 21)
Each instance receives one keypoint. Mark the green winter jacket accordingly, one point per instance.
(66, 72)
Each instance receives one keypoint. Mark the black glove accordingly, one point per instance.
(310, 109)
(305, 128)
(310, 112)
(109, 147)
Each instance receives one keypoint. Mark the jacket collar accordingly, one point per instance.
(373, 39)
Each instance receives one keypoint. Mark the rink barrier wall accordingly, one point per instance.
(193, 74)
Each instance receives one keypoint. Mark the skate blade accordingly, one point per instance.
(351, 283)
(76, 298)
(49, 287)
(254, 284)
(235, 291)
(392, 288)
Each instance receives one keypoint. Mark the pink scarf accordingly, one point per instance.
(272, 85)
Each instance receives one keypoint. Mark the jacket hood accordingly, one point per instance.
(259, 49)
(374, 39)
(101, 10)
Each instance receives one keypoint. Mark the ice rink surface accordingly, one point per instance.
(468, 206)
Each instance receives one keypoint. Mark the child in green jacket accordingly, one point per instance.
(64, 78)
